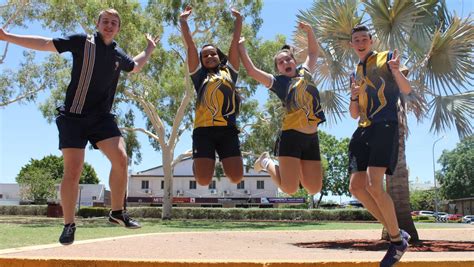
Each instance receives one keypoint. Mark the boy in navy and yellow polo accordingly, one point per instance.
(85, 115)
(373, 150)
(214, 76)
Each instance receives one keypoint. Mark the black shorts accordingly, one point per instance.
(74, 132)
(221, 139)
(375, 146)
(292, 143)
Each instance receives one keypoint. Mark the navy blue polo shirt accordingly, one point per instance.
(95, 72)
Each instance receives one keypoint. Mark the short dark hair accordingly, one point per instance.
(112, 12)
(361, 28)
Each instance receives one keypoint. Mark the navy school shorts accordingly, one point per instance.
(75, 131)
(374, 146)
(292, 143)
(221, 139)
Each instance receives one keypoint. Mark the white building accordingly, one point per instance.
(256, 189)
(9, 194)
(88, 194)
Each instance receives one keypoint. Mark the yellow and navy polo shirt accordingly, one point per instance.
(95, 72)
(300, 97)
(217, 100)
(379, 93)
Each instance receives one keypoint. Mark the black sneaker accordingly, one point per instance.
(67, 236)
(124, 220)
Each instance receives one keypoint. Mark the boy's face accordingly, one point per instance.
(210, 58)
(286, 65)
(108, 26)
(361, 43)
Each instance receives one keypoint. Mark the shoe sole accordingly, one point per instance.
(121, 223)
(66, 244)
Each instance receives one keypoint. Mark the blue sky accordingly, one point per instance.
(25, 134)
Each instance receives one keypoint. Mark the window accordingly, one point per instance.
(163, 184)
(145, 184)
(94, 198)
(1, 196)
(192, 184)
(260, 184)
(212, 185)
(241, 185)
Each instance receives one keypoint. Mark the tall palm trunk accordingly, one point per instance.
(397, 184)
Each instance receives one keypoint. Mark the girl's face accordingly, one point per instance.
(361, 43)
(286, 65)
(210, 58)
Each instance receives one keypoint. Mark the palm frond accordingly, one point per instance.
(449, 65)
(334, 105)
(332, 22)
(453, 110)
(393, 23)
(416, 103)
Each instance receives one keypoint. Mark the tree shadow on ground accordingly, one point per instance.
(382, 245)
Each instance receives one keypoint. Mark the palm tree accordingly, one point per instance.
(438, 52)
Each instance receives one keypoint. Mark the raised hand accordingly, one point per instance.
(354, 89)
(186, 13)
(394, 63)
(305, 26)
(152, 41)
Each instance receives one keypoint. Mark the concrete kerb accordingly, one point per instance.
(48, 262)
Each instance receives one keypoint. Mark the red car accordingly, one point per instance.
(454, 217)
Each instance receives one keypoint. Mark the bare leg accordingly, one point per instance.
(312, 178)
(114, 150)
(73, 163)
(203, 170)
(233, 168)
(290, 173)
(358, 188)
(383, 199)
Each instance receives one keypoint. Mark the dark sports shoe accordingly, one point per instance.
(67, 236)
(394, 254)
(124, 220)
(405, 235)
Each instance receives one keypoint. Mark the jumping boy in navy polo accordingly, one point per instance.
(373, 149)
(85, 115)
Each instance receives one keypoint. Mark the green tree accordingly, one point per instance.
(39, 177)
(438, 51)
(162, 91)
(422, 199)
(456, 177)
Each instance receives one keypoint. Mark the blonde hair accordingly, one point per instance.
(110, 11)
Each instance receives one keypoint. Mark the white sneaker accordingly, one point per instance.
(257, 166)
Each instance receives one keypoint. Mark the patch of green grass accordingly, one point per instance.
(20, 231)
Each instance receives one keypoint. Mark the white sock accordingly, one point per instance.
(264, 163)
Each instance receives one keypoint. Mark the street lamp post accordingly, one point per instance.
(434, 176)
(80, 193)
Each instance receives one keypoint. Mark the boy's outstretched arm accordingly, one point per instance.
(234, 46)
(193, 57)
(258, 74)
(39, 43)
(142, 58)
(313, 47)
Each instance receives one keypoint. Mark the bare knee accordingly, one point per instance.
(203, 180)
(375, 191)
(289, 189)
(235, 176)
(120, 162)
(357, 189)
(312, 190)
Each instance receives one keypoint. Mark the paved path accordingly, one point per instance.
(262, 248)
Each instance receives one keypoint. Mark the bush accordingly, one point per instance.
(212, 213)
(24, 210)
